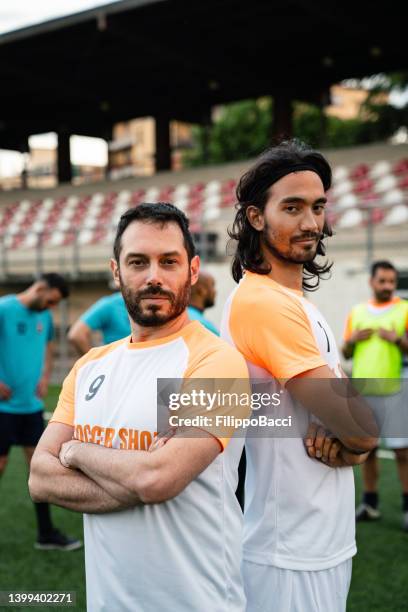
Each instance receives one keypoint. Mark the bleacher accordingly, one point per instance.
(79, 225)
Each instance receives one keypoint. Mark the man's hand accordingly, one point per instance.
(360, 334)
(42, 388)
(323, 446)
(66, 455)
(5, 392)
(390, 335)
(161, 439)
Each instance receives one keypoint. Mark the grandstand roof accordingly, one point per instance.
(84, 72)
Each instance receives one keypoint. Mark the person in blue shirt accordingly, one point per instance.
(26, 347)
(203, 295)
(108, 316)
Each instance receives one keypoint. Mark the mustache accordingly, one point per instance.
(308, 236)
(153, 292)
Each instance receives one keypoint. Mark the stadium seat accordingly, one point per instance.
(359, 172)
(385, 183)
(403, 182)
(397, 215)
(351, 218)
(380, 168)
(340, 173)
(347, 201)
(363, 186)
(341, 188)
(401, 167)
(152, 194)
(396, 196)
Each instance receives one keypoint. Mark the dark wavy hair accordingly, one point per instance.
(253, 190)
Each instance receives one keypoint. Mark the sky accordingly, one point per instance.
(16, 14)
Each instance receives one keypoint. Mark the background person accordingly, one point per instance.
(108, 316)
(26, 348)
(376, 338)
(203, 295)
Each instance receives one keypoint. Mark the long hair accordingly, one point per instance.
(253, 190)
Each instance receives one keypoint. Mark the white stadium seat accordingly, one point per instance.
(72, 201)
(181, 191)
(85, 236)
(30, 241)
(211, 213)
(212, 187)
(63, 225)
(347, 201)
(342, 188)
(57, 238)
(396, 196)
(397, 215)
(98, 199)
(152, 194)
(386, 182)
(380, 169)
(340, 173)
(350, 218)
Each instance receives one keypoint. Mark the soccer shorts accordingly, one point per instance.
(20, 430)
(391, 412)
(273, 589)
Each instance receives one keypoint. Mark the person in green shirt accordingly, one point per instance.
(376, 338)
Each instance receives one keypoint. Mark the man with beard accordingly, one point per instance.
(26, 334)
(376, 338)
(162, 529)
(299, 495)
(202, 297)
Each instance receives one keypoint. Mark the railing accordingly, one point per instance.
(73, 259)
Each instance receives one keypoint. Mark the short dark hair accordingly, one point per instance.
(56, 281)
(160, 213)
(253, 190)
(384, 264)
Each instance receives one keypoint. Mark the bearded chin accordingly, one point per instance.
(288, 257)
(152, 317)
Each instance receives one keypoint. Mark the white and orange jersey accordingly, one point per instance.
(185, 551)
(299, 513)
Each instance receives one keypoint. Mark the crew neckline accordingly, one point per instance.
(185, 331)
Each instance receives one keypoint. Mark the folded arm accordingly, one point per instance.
(342, 411)
(50, 482)
(140, 476)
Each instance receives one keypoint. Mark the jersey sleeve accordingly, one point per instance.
(221, 374)
(276, 335)
(65, 410)
(96, 316)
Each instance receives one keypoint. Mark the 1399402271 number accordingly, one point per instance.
(35, 598)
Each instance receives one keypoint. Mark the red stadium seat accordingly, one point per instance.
(359, 172)
(401, 167)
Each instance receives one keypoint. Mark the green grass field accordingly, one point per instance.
(380, 570)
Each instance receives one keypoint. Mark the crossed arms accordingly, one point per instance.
(100, 480)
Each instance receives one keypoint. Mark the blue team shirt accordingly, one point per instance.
(24, 335)
(109, 316)
(196, 315)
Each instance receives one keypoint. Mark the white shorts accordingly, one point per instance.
(273, 589)
(395, 443)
